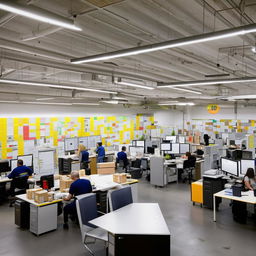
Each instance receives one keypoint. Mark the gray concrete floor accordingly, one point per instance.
(193, 231)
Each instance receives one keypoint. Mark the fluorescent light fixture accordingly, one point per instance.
(242, 97)
(135, 85)
(8, 81)
(170, 44)
(110, 101)
(187, 90)
(9, 101)
(85, 104)
(254, 49)
(35, 13)
(177, 104)
(45, 99)
(47, 103)
(208, 82)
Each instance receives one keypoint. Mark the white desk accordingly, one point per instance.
(43, 217)
(247, 197)
(5, 179)
(139, 224)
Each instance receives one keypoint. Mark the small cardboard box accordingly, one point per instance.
(82, 173)
(106, 165)
(31, 193)
(106, 171)
(119, 177)
(65, 183)
(41, 196)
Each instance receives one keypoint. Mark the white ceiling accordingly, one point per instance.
(34, 51)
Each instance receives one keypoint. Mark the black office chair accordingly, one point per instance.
(120, 166)
(85, 165)
(120, 198)
(188, 168)
(135, 170)
(19, 185)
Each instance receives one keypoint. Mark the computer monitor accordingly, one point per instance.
(71, 144)
(13, 164)
(27, 160)
(229, 166)
(175, 149)
(165, 146)
(151, 150)
(245, 164)
(140, 143)
(172, 139)
(247, 155)
(47, 181)
(4, 166)
(182, 139)
(184, 148)
(232, 142)
(136, 150)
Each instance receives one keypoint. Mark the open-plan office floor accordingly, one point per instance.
(193, 231)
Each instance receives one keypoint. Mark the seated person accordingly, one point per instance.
(249, 180)
(78, 187)
(83, 155)
(18, 172)
(123, 156)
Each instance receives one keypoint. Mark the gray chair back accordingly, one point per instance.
(121, 197)
(86, 206)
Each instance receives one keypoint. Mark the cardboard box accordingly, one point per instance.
(106, 171)
(41, 196)
(106, 165)
(119, 177)
(65, 183)
(82, 173)
(31, 193)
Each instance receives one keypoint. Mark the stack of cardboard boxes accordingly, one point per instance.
(65, 183)
(106, 168)
(119, 177)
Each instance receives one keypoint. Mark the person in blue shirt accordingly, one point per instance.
(78, 187)
(83, 155)
(123, 156)
(20, 171)
(101, 152)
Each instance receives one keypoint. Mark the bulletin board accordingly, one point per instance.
(19, 136)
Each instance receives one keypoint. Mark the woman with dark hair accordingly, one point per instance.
(249, 179)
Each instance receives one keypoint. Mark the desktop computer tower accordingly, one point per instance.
(22, 214)
(65, 166)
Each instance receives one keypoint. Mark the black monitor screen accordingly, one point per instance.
(247, 155)
(4, 166)
(151, 150)
(47, 181)
(232, 142)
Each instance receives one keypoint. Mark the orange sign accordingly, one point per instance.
(213, 108)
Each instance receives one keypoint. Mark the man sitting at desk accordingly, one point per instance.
(123, 156)
(78, 187)
(20, 171)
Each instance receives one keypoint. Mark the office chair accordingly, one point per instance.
(86, 206)
(18, 186)
(120, 166)
(144, 165)
(85, 166)
(120, 198)
(135, 170)
(188, 169)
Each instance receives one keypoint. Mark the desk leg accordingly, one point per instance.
(214, 208)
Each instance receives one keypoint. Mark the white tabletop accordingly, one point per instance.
(136, 219)
(5, 179)
(24, 198)
(247, 197)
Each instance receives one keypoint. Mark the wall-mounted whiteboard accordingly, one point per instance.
(46, 162)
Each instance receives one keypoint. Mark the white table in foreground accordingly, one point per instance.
(136, 229)
(247, 197)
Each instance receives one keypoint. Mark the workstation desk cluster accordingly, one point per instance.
(42, 217)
